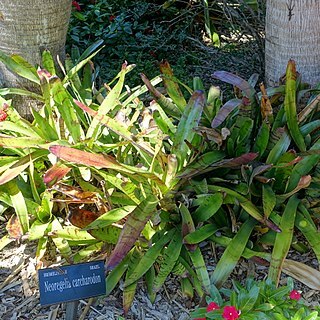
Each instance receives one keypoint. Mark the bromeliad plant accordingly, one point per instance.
(256, 300)
(130, 184)
(155, 181)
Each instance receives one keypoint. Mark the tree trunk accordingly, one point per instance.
(27, 27)
(293, 32)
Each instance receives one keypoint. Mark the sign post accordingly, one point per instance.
(71, 283)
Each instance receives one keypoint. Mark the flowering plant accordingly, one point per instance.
(256, 300)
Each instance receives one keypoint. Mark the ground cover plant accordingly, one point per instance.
(146, 175)
(256, 300)
(145, 32)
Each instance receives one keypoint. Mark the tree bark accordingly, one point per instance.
(27, 27)
(292, 32)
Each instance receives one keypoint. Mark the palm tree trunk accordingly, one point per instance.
(27, 27)
(293, 32)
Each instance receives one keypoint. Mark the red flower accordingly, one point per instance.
(3, 115)
(295, 295)
(76, 5)
(230, 313)
(212, 306)
(111, 18)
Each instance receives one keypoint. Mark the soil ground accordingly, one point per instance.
(19, 294)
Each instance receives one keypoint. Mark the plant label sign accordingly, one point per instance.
(72, 282)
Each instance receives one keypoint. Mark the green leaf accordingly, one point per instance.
(312, 316)
(19, 166)
(130, 290)
(249, 299)
(79, 66)
(299, 314)
(109, 234)
(172, 86)
(20, 127)
(18, 65)
(20, 92)
(61, 244)
(19, 204)
(110, 217)
(232, 254)
(115, 275)
(262, 139)
(4, 241)
(209, 204)
(310, 232)
(108, 104)
(166, 104)
(132, 229)
(71, 233)
(268, 199)
(200, 165)
(279, 149)
(304, 166)
(169, 259)
(91, 49)
(65, 105)
(48, 62)
(200, 268)
(22, 142)
(47, 132)
(200, 234)
(117, 128)
(149, 257)
(290, 106)
(89, 251)
(283, 239)
(37, 230)
(247, 205)
(185, 131)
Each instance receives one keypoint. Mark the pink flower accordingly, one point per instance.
(3, 115)
(212, 306)
(230, 313)
(76, 5)
(295, 295)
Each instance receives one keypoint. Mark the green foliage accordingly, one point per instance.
(132, 31)
(257, 300)
(153, 181)
(146, 32)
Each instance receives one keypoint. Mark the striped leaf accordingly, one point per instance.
(130, 290)
(19, 204)
(132, 229)
(232, 254)
(166, 104)
(169, 259)
(172, 86)
(185, 131)
(149, 258)
(200, 268)
(18, 65)
(248, 206)
(283, 239)
(108, 104)
(290, 106)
